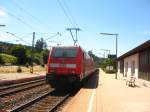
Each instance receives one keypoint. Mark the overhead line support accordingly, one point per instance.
(75, 39)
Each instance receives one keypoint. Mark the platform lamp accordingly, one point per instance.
(116, 36)
(2, 25)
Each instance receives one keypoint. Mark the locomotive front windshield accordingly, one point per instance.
(64, 53)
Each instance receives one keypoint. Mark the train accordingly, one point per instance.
(68, 66)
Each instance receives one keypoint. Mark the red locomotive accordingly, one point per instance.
(68, 65)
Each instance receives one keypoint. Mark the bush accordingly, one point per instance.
(38, 58)
(45, 54)
(27, 65)
(37, 61)
(42, 65)
(110, 71)
(19, 69)
(7, 59)
(108, 62)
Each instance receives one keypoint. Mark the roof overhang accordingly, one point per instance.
(140, 48)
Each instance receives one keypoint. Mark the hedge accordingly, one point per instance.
(7, 59)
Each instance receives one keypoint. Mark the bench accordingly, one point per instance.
(130, 81)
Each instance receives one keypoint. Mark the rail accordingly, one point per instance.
(20, 87)
(50, 100)
(20, 84)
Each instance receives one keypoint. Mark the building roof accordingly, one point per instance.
(144, 46)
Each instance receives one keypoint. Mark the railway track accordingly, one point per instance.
(31, 96)
(7, 90)
(47, 102)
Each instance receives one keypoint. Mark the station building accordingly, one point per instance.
(136, 62)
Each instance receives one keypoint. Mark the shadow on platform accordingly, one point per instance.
(136, 86)
(92, 81)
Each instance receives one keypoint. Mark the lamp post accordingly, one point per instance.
(2, 25)
(116, 35)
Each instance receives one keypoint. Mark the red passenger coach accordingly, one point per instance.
(68, 65)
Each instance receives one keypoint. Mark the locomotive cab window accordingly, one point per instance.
(64, 53)
(70, 53)
(57, 53)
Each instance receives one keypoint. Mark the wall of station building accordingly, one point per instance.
(130, 66)
(119, 69)
(144, 64)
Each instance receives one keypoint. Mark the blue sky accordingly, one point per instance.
(128, 18)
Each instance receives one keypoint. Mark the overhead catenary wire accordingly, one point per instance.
(19, 19)
(71, 20)
(19, 38)
(51, 36)
(67, 8)
(65, 13)
(28, 25)
(28, 13)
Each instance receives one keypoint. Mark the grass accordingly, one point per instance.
(13, 69)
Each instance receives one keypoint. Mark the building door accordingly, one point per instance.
(133, 68)
(126, 69)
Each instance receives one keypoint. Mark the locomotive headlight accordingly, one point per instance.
(71, 65)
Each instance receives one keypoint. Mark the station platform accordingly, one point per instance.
(10, 78)
(103, 93)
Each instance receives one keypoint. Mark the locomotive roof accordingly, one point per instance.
(65, 46)
(69, 47)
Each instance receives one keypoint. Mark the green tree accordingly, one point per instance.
(19, 51)
(40, 45)
(108, 62)
(38, 58)
(29, 56)
(45, 54)
(95, 58)
(1, 47)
